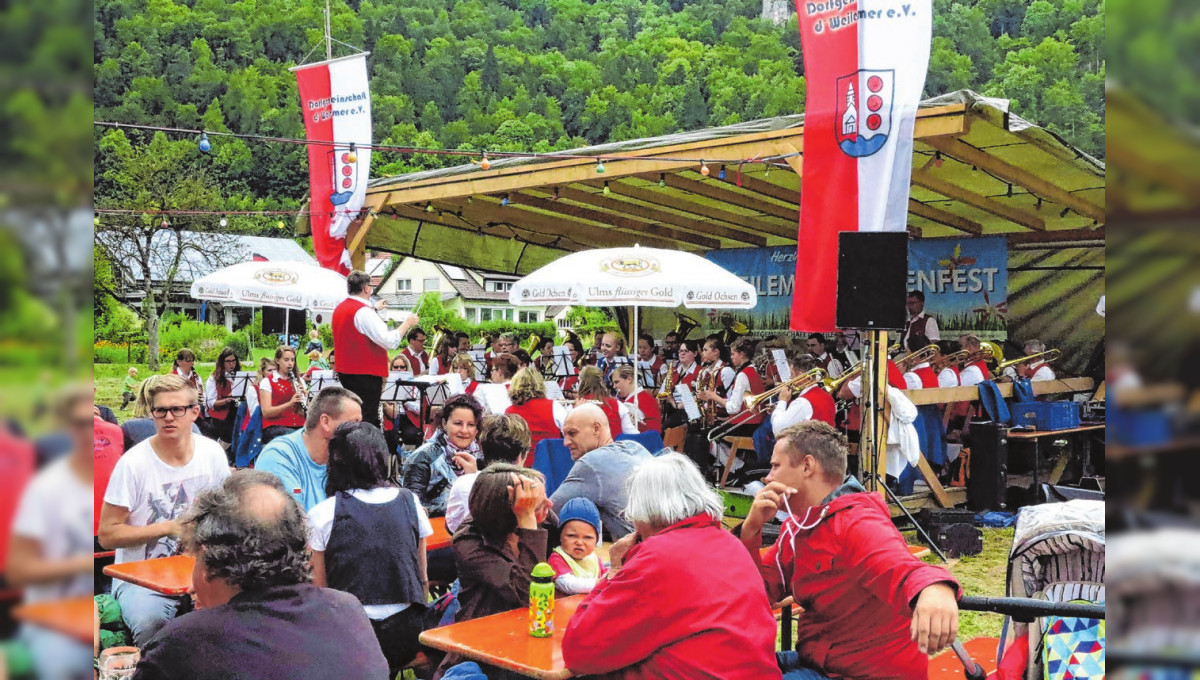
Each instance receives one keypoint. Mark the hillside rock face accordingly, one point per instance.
(776, 11)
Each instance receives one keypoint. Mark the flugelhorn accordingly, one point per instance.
(753, 403)
(1046, 357)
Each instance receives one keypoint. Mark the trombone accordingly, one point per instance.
(753, 403)
(924, 355)
(1047, 356)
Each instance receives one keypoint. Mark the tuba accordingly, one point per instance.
(733, 330)
(440, 332)
(684, 325)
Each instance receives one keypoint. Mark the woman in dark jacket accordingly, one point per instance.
(452, 452)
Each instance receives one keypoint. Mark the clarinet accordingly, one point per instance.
(298, 386)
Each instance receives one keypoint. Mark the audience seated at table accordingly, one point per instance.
(502, 439)
(299, 459)
(497, 550)
(140, 427)
(452, 452)
(871, 609)
(151, 487)
(545, 417)
(602, 467)
(48, 552)
(368, 539)
(258, 616)
(681, 599)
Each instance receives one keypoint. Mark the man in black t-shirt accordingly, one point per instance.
(257, 615)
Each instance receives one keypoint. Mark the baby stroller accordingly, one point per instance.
(1054, 626)
(1155, 578)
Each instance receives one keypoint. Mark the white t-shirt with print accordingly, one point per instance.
(56, 511)
(154, 491)
(320, 528)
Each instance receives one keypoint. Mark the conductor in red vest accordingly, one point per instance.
(363, 339)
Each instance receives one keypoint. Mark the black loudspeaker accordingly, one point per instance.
(987, 486)
(275, 317)
(872, 280)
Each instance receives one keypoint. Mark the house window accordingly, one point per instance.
(470, 314)
(497, 286)
(403, 285)
(495, 314)
(528, 317)
(430, 284)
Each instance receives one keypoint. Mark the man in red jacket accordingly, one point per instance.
(871, 609)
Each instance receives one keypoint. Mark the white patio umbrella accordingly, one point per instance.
(637, 277)
(291, 285)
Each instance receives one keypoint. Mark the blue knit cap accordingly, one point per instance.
(580, 509)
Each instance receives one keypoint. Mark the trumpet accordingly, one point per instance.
(753, 403)
(1047, 356)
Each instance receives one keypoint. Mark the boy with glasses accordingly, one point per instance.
(151, 487)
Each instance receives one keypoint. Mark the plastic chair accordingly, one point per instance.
(651, 440)
(553, 459)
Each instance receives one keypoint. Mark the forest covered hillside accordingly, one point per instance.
(532, 75)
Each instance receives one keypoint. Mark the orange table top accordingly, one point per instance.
(71, 617)
(503, 640)
(440, 538)
(1033, 434)
(946, 666)
(166, 575)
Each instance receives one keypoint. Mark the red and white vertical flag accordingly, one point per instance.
(865, 63)
(336, 101)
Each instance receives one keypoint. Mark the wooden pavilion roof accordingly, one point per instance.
(976, 170)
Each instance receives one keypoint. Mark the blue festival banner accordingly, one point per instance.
(965, 281)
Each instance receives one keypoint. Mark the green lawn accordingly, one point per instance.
(982, 575)
(109, 377)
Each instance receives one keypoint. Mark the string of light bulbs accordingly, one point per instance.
(484, 156)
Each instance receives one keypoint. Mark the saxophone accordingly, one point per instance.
(668, 386)
(707, 380)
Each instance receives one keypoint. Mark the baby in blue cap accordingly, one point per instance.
(576, 565)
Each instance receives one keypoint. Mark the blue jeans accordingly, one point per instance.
(144, 610)
(56, 656)
(794, 669)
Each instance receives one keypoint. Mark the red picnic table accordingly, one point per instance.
(72, 617)
(503, 640)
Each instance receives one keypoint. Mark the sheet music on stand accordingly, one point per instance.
(243, 382)
(554, 391)
(563, 367)
(781, 365)
(398, 387)
(477, 358)
(323, 379)
(442, 387)
(683, 396)
(646, 377)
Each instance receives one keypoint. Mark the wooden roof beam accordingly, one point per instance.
(674, 202)
(924, 179)
(760, 186)
(654, 214)
(484, 210)
(453, 221)
(942, 217)
(1010, 173)
(714, 190)
(638, 228)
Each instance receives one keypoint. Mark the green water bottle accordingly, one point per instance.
(541, 601)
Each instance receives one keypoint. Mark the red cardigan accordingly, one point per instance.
(687, 603)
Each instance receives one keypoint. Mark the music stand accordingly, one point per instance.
(243, 382)
(646, 378)
(781, 365)
(480, 361)
(442, 387)
(401, 387)
(562, 365)
(322, 379)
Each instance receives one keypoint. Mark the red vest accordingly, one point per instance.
(823, 364)
(443, 366)
(914, 327)
(1036, 367)
(689, 378)
(222, 392)
(928, 378)
(756, 387)
(612, 409)
(648, 405)
(568, 383)
(539, 415)
(471, 387)
(358, 355)
(895, 377)
(417, 363)
(987, 375)
(822, 404)
(281, 393)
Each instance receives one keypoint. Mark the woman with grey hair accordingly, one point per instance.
(710, 609)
